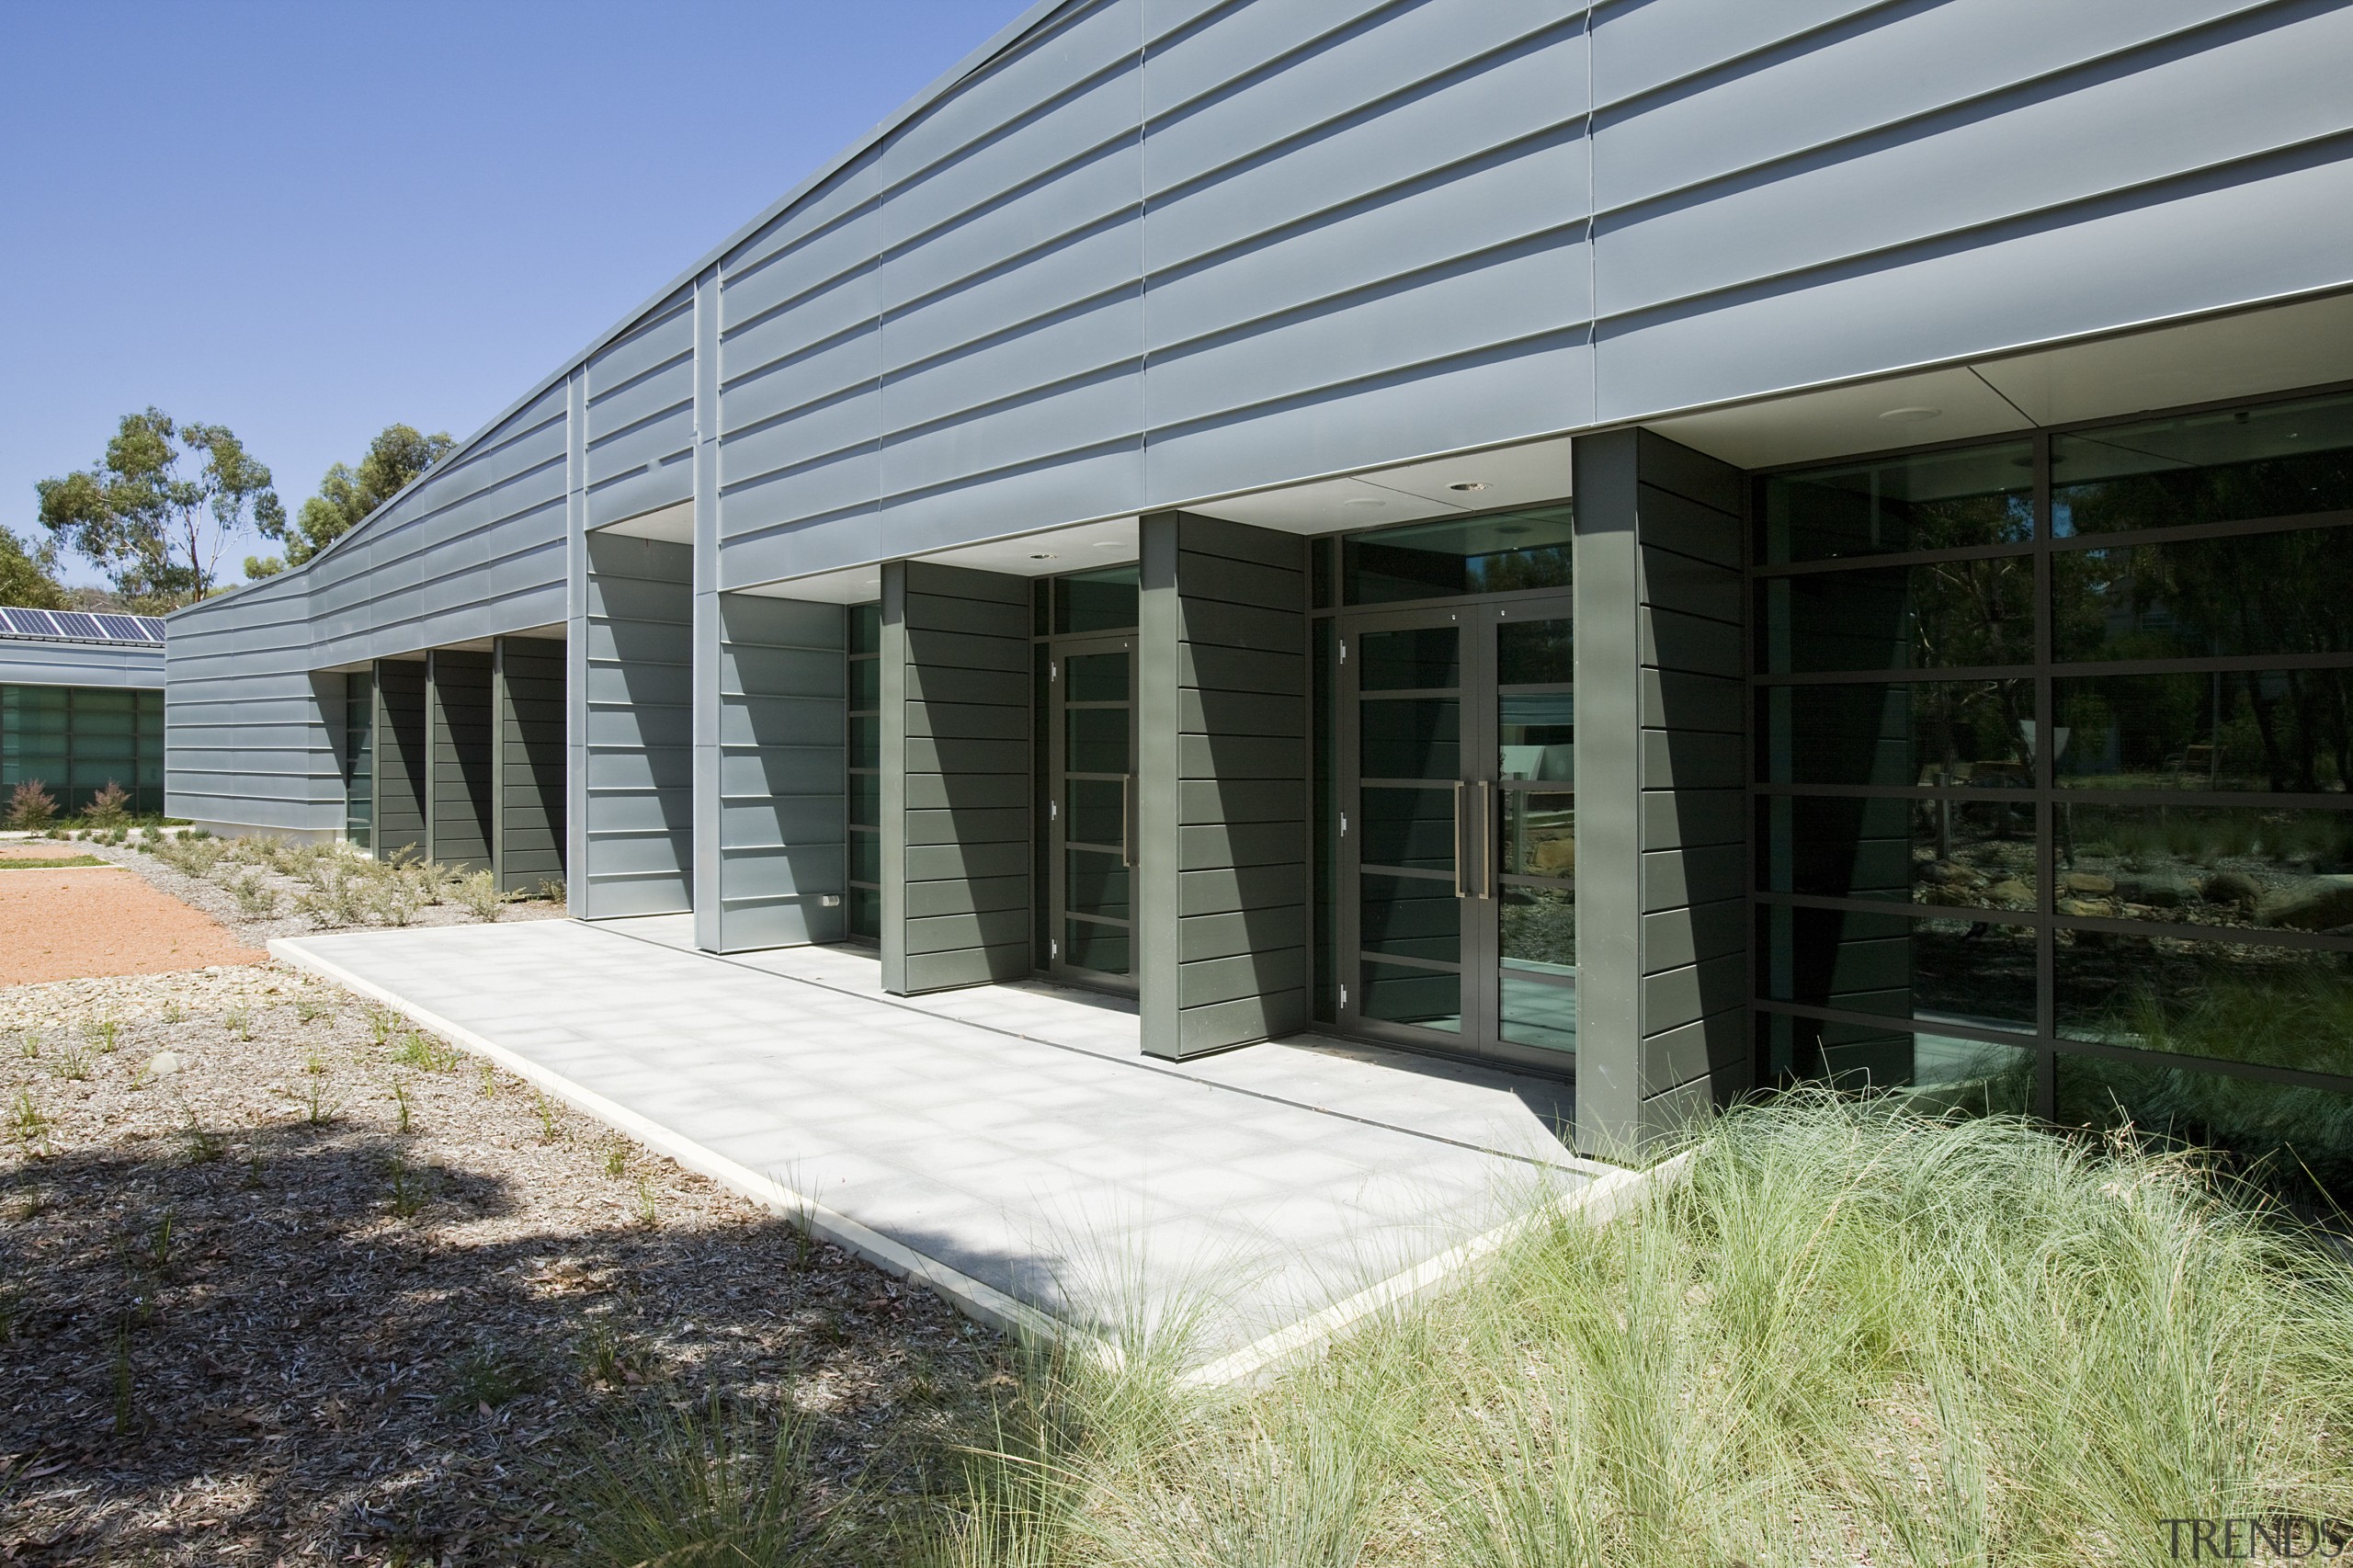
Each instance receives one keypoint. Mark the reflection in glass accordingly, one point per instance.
(1426, 998)
(866, 800)
(866, 683)
(1093, 807)
(1536, 653)
(866, 628)
(1537, 1011)
(1409, 737)
(1096, 601)
(1489, 554)
(1420, 658)
(865, 909)
(2290, 1132)
(866, 856)
(2275, 594)
(1094, 883)
(1966, 854)
(2277, 730)
(1536, 735)
(1096, 678)
(1935, 1071)
(1968, 734)
(1414, 828)
(1539, 929)
(2281, 460)
(2232, 1001)
(1096, 740)
(1410, 918)
(1103, 949)
(1539, 833)
(1946, 615)
(865, 740)
(2206, 865)
(1956, 971)
(1976, 496)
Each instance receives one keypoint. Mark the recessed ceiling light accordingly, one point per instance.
(1042, 555)
(1110, 544)
(1468, 484)
(1365, 501)
(1910, 415)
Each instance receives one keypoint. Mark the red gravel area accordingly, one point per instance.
(69, 925)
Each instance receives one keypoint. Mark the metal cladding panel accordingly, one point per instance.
(1640, 45)
(1978, 190)
(637, 756)
(81, 663)
(783, 771)
(640, 416)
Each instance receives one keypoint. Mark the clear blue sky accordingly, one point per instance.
(309, 219)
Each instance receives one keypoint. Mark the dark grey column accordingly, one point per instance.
(1222, 782)
(782, 814)
(956, 785)
(399, 758)
(1661, 755)
(528, 841)
(458, 723)
(639, 787)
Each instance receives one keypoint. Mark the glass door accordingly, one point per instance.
(1458, 843)
(1090, 809)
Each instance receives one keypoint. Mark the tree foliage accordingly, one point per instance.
(395, 459)
(158, 508)
(26, 575)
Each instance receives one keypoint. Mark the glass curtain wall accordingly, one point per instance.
(75, 740)
(865, 791)
(2054, 738)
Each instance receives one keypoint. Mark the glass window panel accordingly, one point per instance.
(2207, 865)
(1426, 998)
(1936, 1072)
(1319, 557)
(1409, 737)
(1535, 735)
(2290, 1132)
(1094, 883)
(2233, 1001)
(865, 856)
(1491, 554)
(1324, 831)
(1094, 807)
(1041, 623)
(1106, 950)
(1971, 854)
(865, 740)
(1409, 917)
(1953, 971)
(866, 914)
(1412, 828)
(2278, 461)
(1536, 653)
(1096, 601)
(1420, 658)
(1909, 733)
(866, 800)
(2289, 593)
(2276, 730)
(866, 628)
(1949, 500)
(1094, 740)
(1946, 615)
(866, 683)
(1539, 833)
(1540, 930)
(1096, 678)
(1539, 1012)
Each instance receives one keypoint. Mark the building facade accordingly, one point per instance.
(1678, 543)
(82, 706)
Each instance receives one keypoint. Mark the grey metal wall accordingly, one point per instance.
(27, 662)
(1222, 777)
(459, 731)
(529, 843)
(399, 753)
(634, 712)
(956, 791)
(1661, 750)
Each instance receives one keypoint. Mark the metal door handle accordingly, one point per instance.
(1460, 890)
(1488, 791)
(1127, 854)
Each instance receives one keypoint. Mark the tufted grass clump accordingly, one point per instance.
(1852, 1333)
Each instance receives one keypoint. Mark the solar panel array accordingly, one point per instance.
(80, 626)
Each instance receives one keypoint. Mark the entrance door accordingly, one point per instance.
(1458, 842)
(1090, 809)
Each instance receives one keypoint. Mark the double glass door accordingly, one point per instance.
(1090, 809)
(1458, 838)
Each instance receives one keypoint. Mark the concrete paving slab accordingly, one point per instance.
(1035, 1182)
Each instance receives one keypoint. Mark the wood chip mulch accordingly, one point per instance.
(250, 1314)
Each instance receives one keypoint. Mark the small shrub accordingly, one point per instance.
(310, 1009)
(420, 1049)
(411, 1189)
(256, 899)
(480, 895)
(109, 807)
(395, 900)
(203, 1144)
(71, 1063)
(616, 1159)
(675, 1486)
(26, 1119)
(239, 1021)
(320, 1111)
(551, 888)
(31, 807)
(100, 1032)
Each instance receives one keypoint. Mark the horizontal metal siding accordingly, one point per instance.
(80, 663)
(783, 812)
(640, 416)
(638, 708)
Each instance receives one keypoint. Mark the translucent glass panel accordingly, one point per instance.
(75, 740)
(864, 905)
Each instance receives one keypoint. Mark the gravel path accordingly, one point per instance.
(279, 1282)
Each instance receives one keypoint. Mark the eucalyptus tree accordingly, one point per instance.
(159, 507)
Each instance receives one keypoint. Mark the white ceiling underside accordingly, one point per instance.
(2277, 349)
(674, 523)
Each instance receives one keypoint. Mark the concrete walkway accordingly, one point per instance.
(1000, 1144)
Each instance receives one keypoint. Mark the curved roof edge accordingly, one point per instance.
(947, 82)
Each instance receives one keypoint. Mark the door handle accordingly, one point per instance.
(1489, 794)
(1459, 848)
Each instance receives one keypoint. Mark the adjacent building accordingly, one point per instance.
(82, 706)
(1684, 544)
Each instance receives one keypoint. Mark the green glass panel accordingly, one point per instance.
(1426, 998)
(1979, 854)
(2291, 1135)
(1536, 736)
(1537, 1010)
(865, 914)
(866, 628)
(1093, 811)
(1094, 740)
(866, 800)
(1536, 653)
(2279, 459)
(1106, 950)
(1409, 737)
(1095, 677)
(866, 684)
(1096, 601)
(1494, 553)
(1420, 658)
(1539, 929)
(1412, 917)
(1411, 828)
(2282, 592)
(1094, 883)
(1942, 616)
(2206, 865)
(2271, 731)
(865, 856)
(1971, 496)
(865, 740)
(1539, 831)
(1975, 735)
(1936, 1072)
(2231, 1001)
(1956, 971)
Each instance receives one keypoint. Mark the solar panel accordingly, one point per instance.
(84, 626)
(36, 623)
(79, 623)
(125, 627)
